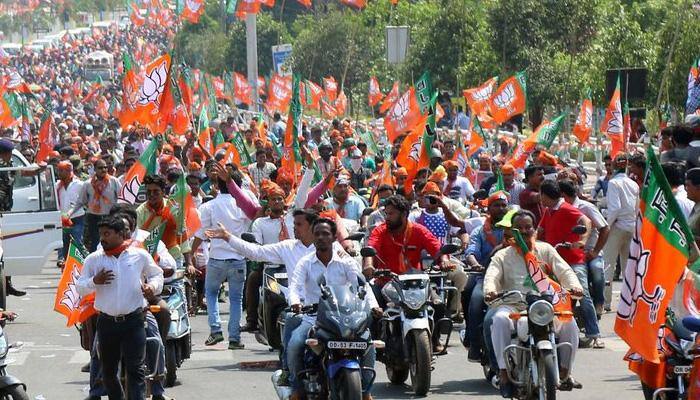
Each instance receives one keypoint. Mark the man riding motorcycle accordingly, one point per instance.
(481, 244)
(508, 271)
(338, 269)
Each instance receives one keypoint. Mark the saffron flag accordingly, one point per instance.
(68, 301)
(375, 93)
(477, 136)
(390, 98)
(403, 116)
(247, 7)
(341, 104)
(540, 281)
(510, 99)
(150, 94)
(135, 16)
(478, 98)
(359, 4)
(414, 153)
(658, 256)
(184, 210)
(544, 135)
(330, 86)
(205, 139)
(612, 124)
(10, 110)
(312, 94)
(46, 142)
(241, 89)
(146, 165)
(291, 155)
(584, 121)
(192, 10)
(327, 109)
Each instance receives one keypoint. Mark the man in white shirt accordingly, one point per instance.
(675, 175)
(338, 270)
(622, 205)
(456, 187)
(224, 264)
(116, 274)
(68, 188)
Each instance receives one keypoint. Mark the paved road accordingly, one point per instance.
(51, 358)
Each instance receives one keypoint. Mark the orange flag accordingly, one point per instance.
(478, 98)
(305, 3)
(414, 152)
(658, 256)
(192, 10)
(68, 301)
(219, 88)
(613, 123)
(341, 104)
(390, 98)
(280, 93)
(135, 16)
(247, 7)
(150, 94)
(477, 136)
(403, 116)
(45, 138)
(375, 93)
(359, 4)
(584, 121)
(330, 86)
(509, 99)
(241, 88)
(328, 110)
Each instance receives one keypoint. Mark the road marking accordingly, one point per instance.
(18, 358)
(80, 357)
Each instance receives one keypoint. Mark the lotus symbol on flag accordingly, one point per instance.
(615, 123)
(401, 108)
(153, 85)
(130, 190)
(193, 5)
(506, 97)
(70, 297)
(482, 94)
(633, 289)
(414, 154)
(131, 95)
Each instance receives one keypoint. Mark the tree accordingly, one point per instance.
(269, 32)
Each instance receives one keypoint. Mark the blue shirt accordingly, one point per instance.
(480, 247)
(353, 207)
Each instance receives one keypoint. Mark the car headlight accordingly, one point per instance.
(414, 298)
(541, 313)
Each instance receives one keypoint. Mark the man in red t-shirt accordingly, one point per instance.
(556, 225)
(398, 242)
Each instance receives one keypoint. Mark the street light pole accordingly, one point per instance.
(251, 40)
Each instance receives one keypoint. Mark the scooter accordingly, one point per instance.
(407, 325)
(178, 344)
(337, 344)
(531, 361)
(11, 388)
(680, 348)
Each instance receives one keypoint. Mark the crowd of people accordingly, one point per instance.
(303, 221)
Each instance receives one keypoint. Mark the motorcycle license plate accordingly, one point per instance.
(682, 369)
(348, 345)
(280, 275)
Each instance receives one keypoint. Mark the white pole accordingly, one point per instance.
(251, 39)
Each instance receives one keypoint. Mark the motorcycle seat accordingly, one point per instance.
(692, 323)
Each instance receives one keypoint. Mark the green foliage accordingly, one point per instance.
(565, 46)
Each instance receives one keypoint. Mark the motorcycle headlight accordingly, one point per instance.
(390, 294)
(414, 298)
(273, 286)
(541, 313)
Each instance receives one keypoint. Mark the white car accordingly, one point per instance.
(32, 230)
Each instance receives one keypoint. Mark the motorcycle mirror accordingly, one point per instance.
(368, 252)
(248, 237)
(449, 248)
(579, 229)
(357, 236)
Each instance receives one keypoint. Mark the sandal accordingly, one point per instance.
(569, 383)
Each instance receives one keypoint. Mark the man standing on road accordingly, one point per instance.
(225, 264)
(115, 274)
(622, 205)
(99, 194)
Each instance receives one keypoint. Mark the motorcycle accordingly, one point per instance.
(11, 388)
(679, 348)
(484, 360)
(337, 343)
(178, 344)
(407, 325)
(531, 361)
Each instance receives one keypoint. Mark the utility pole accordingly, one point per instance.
(251, 41)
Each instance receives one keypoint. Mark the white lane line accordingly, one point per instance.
(79, 357)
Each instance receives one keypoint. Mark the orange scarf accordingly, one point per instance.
(115, 252)
(404, 262)
(99, 186)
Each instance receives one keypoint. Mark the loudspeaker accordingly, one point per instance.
(633, 83)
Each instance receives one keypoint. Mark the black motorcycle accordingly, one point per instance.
(11, 388)
(337, 343)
